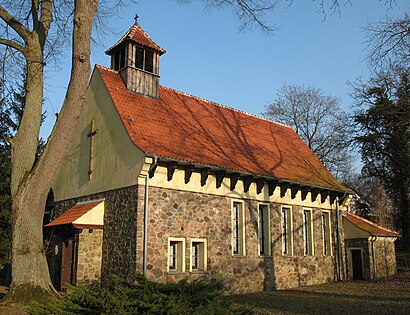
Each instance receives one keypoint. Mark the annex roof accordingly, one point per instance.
(81, 215)
(183, 127)
(137, 34)
(368, 226)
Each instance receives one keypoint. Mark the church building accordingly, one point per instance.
(177, 187)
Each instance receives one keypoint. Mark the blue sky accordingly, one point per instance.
(208, 56)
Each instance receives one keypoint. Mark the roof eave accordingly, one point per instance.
(217, 167)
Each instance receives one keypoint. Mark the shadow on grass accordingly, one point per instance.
(335, 299)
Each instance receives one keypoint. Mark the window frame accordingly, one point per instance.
(180, 255)
(288, 242)
(203, 257)
(308, 240)
(263, 234)
(241, 229)
(326, 235)
(144, 59)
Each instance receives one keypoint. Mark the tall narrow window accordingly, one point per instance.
(307, 232)
(264, 230)
(176, 254)
(198, 255)
(117, 60)
(144, 59)
(139, 58)
(149, 61)
(287, 231)
(238, 229)
(327, 244)
(122, 58)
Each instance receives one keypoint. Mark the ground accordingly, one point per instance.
(361, 297)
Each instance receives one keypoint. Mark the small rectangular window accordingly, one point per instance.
(287, 231)
(139, 58)
(326, 233)
(307, 232)
(176, 254)
(117, 60)
(264, 230)
(122, 58)
(198, 255)
(149, 61)
(238, 229)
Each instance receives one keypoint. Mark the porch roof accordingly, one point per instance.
(82, 215)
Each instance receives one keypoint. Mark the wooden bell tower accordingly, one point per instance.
(136, 58)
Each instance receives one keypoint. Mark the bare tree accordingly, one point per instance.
(389, 42)
(318, 120)
(31, 177)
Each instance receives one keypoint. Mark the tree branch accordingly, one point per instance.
(12, 44)
(19, 28)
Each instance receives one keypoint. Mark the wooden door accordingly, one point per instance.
(66, 263)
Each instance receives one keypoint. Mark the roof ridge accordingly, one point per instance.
(371, 223)
(106, 68)
(227, 107)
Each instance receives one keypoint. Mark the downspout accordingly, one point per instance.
(373, 240)
(152, 166)
(339, 247)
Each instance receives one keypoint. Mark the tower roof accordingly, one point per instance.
(137, 34)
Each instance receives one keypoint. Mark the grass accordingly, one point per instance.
(344, 298)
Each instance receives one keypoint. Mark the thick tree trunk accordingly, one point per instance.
(29, 265)
(31, 180)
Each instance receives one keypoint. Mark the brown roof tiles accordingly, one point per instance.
(138, 35)
(369, 226)
(73, 214)
(183, 127)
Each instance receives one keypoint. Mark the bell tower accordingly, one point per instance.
(136, 58)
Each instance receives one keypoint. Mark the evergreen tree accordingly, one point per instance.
(384, 138)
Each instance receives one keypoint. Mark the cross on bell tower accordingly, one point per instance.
(136, 58)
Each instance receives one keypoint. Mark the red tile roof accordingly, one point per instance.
(73, 214)
(138, 35)
(369, 226)
(183, 127)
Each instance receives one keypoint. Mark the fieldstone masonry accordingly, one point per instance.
(117, 240)
(384, 256)
(191, 215)
(187, 215)
(89, 255)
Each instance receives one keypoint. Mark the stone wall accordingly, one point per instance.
(119, 237)
(89, 251)
(300, 270)
(174, 213)
(385, 257)
(363, 244)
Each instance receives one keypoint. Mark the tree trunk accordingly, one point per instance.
(31, 179)
(29, 265)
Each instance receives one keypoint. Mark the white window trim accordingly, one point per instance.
(330, 233)
(268, 240)
(182, 262)
(243, 245)
(205, 254)
(312, 240)
(290, 232)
